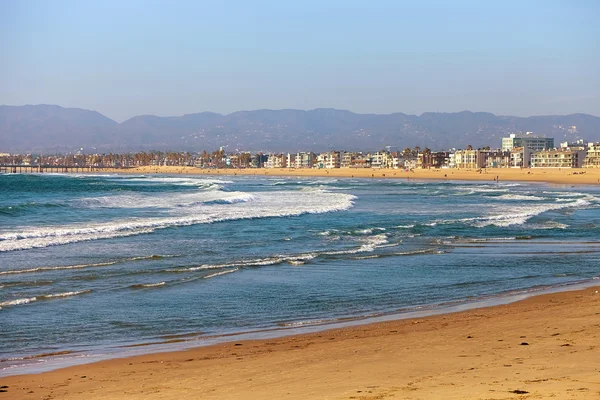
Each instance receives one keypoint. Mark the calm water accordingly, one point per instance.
(92, 263)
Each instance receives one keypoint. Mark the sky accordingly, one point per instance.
(134, 57)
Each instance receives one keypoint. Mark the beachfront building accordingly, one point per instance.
(520, 157)
(301, 160)
(497, 159)
(469, 159)
(558, 158)
(438, 159)
(381, 159)
(529, 140)
(328, 160)
(276, 161)
(592, 159)
(361, 162)
(346, 159)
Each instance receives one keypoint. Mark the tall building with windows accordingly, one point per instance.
(532, 142)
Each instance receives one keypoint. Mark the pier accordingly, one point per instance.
(38, 169)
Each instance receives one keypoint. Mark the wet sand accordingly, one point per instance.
(589, 176)
(543, 347)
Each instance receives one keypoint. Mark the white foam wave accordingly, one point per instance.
(28, 300)
(165, 201)
(229, 271)
(65, 294)
(58, 268)
(153, 284)
(181, 181)
(265, 205)
(251, 263)
(370, 243)
(520, 215)
(549, 225)
(485, 189)
(18, 302)
(519, 197)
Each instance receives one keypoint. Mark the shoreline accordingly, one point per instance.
(371, 329)
(68, 357)
(581, 176)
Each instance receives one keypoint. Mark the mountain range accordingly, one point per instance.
(51, 128)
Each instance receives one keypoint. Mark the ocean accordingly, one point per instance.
(98, 266)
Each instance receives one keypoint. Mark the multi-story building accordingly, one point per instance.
(346, 158)
(496, 159)
(332, 160)
(533, 142)
(520, 157)
(592, 159)
(439, 159)
(558, 158)
(469, 159)
(379, 159)
(276, 161)
(303, 160)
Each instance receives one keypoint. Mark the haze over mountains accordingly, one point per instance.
(50, 128)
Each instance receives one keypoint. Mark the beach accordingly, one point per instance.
(579, 176)
(131, 269)
(542, 347)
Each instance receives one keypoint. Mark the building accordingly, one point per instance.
(469, 159)
(380, 159)
(497, 159)
(592, 159)
(439, 159)
(276, 161)
(558, 158)
(532, 142)
(520, 157)
(346, 158)
(302, 160)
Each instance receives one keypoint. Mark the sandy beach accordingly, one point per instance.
(538, 348)
(587, 176)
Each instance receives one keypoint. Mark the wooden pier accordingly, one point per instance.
(39, 169)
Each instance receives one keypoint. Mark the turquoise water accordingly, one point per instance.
(91, 263)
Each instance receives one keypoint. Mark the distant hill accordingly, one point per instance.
(35, 128)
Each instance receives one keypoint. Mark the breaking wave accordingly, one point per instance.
(264, 205)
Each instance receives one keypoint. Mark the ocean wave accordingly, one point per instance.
(180, 181)
(167, 201)
(27, 300)
(81, 266)
(57, 268)
(27, 207)
(229, 271)
(17, 302)
(369, 244)
(265, 205)
(258, 262)
(65, 294)
(519, 197)
(147, 285)
(518, 215)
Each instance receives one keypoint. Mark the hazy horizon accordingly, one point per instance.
(170, 59)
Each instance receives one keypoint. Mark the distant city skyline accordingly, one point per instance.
(168, 59)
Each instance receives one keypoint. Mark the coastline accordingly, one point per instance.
(582, 176)
(477, 353)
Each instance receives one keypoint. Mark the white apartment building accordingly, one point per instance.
(529, 140)
(276, 161)
(592, 159)
(520, 157)
(560, 158)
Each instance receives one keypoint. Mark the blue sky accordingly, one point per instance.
(125, 58)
